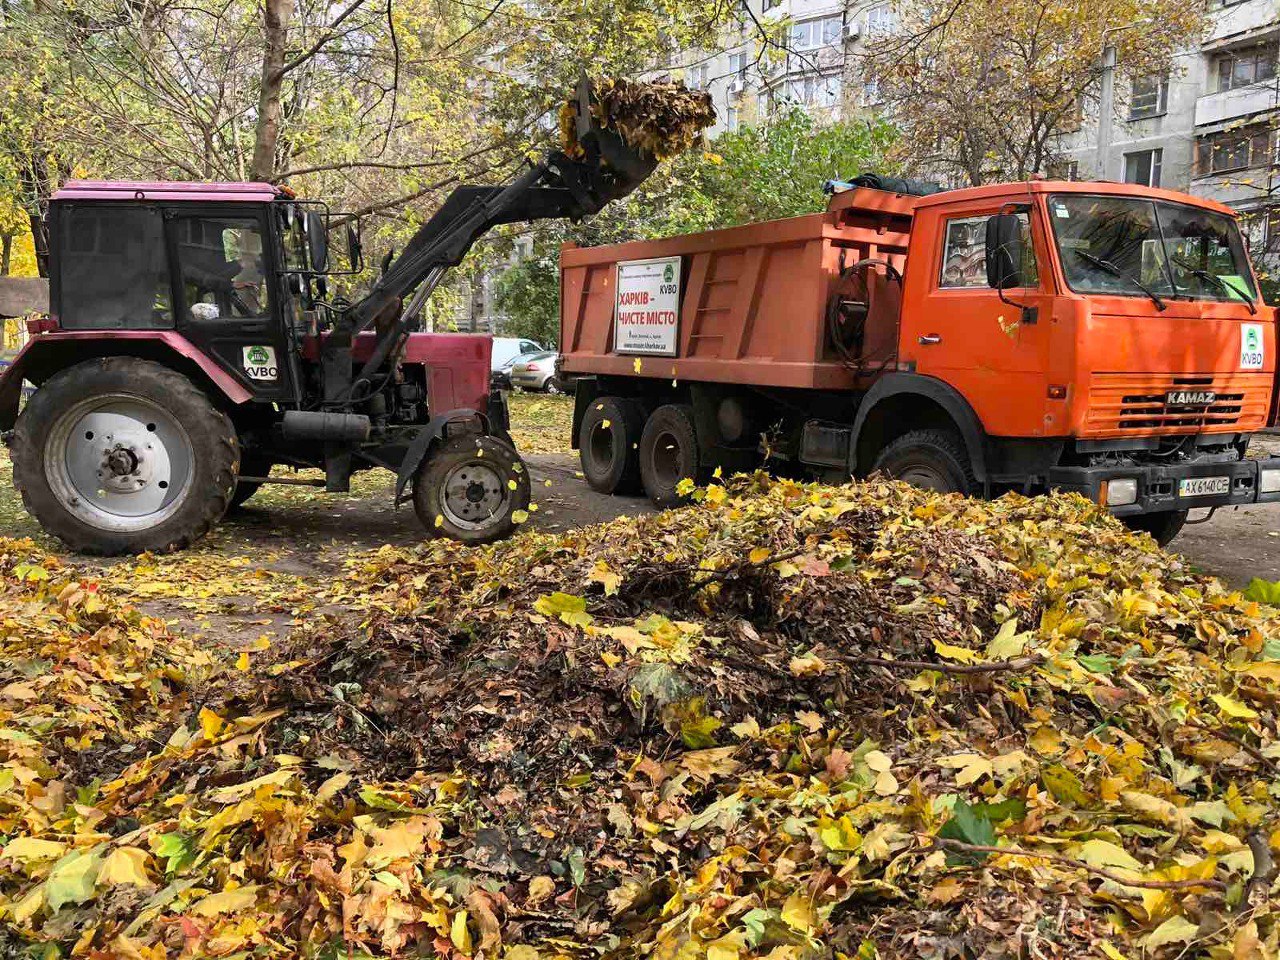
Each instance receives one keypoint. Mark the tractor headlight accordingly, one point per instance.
(1269, 481)
(1121, 491)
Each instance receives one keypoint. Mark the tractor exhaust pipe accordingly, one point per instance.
(329, 427)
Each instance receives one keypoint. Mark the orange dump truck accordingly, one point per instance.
(1097, 337)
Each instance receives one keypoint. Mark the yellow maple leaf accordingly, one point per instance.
(125, 865)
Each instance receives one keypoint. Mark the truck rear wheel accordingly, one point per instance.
(1163, 526)
(930, 459)
(470, 488)
(668, 453)
(121, 455)
(608, 443)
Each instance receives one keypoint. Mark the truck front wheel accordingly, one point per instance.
(930, 459)
(471, 488)
(668, 453)
(608, 441)
(121, 455)
(1163, 526)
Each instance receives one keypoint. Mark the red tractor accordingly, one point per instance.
(192, 345)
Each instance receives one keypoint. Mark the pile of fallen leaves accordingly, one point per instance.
(660, 119)
(788, 721)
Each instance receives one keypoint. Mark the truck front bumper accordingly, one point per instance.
(1160, 487)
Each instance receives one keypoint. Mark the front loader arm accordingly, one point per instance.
(560, 187)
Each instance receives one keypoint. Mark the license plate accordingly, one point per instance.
(1190, 398)
(1203, 486)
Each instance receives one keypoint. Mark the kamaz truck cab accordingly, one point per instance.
(1103, 338)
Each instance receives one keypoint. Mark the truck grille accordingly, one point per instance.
(1133, 403)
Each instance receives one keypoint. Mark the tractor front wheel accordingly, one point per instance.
(471, 489)
(120, 455)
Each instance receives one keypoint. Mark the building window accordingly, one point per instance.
(738, 64)
(696, 76)
(814, 91)
(733, 117)
(871, 94)
(1143, 167)
(1150, 97)
(811, 34)
(771, 4)
(1232, 150)
(880, 20)
(1243, 67)
(1063, 170)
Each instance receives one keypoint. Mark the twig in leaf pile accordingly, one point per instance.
(1225, 734)
(996, 666)
(1079, 865)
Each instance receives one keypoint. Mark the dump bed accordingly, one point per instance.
(741, 305)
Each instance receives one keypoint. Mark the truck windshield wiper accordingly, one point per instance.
(1217, 281)
(1115, 271)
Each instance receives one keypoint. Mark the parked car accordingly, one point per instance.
(506, 351)
(537, 371)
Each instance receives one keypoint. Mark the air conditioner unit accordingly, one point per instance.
(851, 30)
(737, 86)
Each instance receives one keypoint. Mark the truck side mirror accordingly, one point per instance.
(1004, 251)
(317, 241)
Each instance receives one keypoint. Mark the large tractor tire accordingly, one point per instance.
(471, 488)
(120, 455)
(250, 466)
(608, 444)
(930, 459)
(1163, 526)
(669, 453)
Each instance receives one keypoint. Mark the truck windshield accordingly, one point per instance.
(1130, 246)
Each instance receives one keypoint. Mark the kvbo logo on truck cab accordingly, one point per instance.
(260, 363)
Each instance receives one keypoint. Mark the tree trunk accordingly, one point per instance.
(6, 253)
(275, 17)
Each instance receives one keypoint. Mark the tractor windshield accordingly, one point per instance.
(1127, 246)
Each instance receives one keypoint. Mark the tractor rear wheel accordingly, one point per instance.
(471, 488)
(120, 455)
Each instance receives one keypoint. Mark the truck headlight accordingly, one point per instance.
(1269, 481)
(1121, 491)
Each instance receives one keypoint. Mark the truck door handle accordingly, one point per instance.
(929, 338)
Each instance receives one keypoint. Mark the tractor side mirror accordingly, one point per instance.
(1004, 251)
(317, 241)
(354, 251)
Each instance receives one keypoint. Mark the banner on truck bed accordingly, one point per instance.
(646, 315)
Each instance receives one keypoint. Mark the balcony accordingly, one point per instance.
(1240, 18)
(1227, 105)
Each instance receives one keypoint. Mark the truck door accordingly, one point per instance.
(957, 328)
(228, 295)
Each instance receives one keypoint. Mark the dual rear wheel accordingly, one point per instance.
(623, 451)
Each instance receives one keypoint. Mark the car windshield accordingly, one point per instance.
(1119, 245)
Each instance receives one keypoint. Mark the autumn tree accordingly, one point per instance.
(982, 89)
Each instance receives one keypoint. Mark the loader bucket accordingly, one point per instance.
(628, 166)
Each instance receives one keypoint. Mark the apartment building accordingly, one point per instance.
(1206, 127)
(811, 63)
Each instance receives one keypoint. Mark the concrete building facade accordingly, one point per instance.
(1206, 127)
(812, 64)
